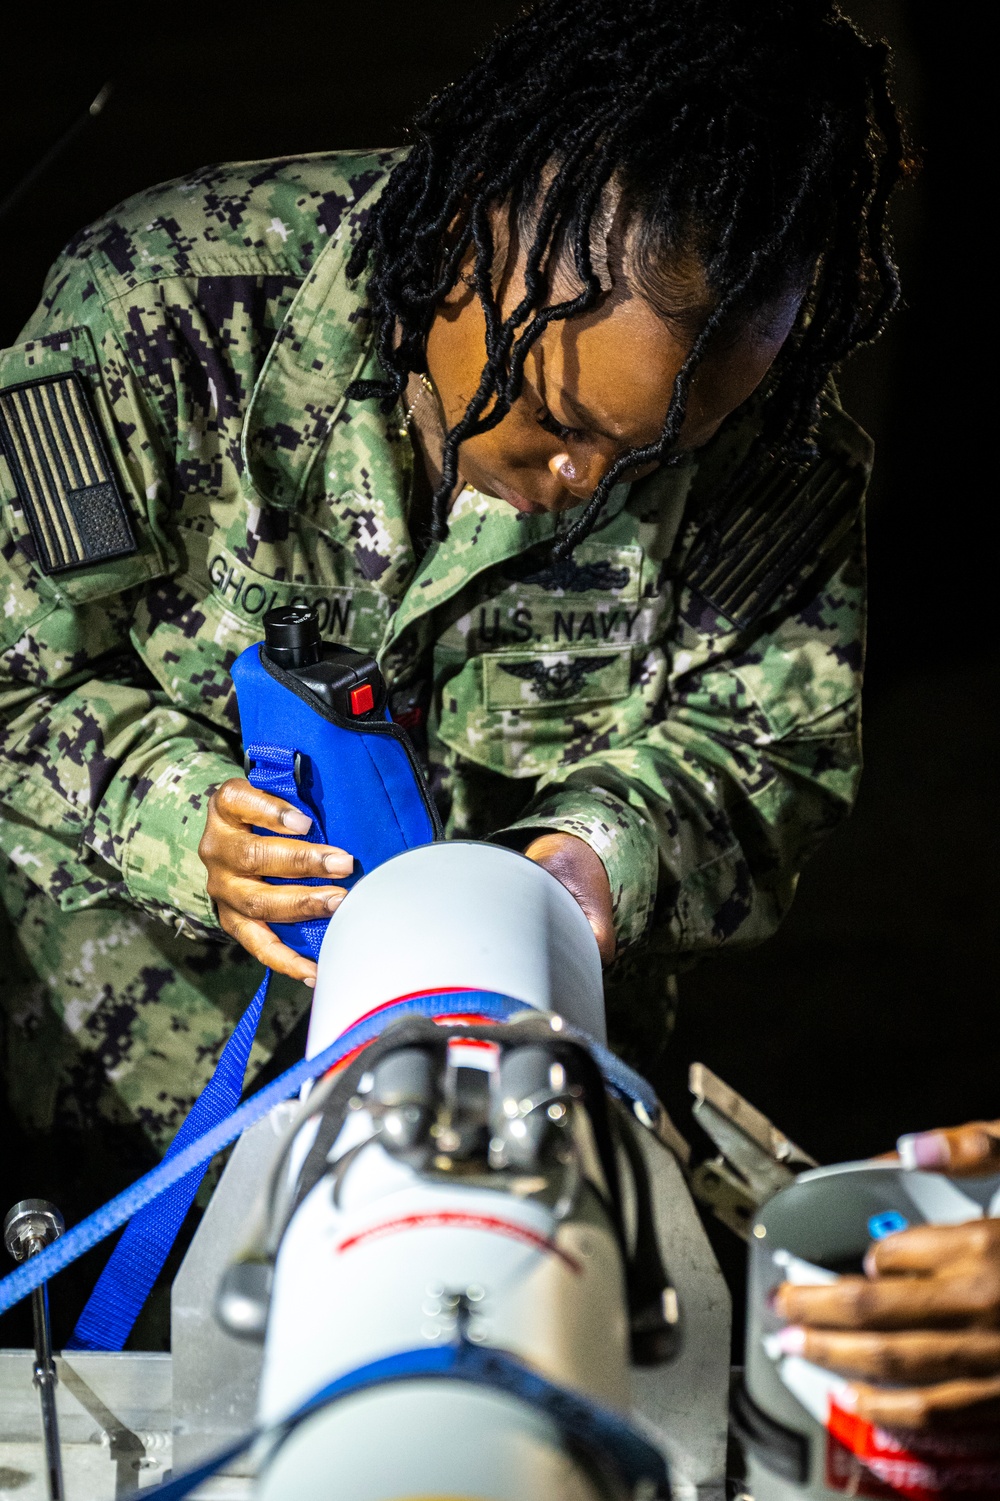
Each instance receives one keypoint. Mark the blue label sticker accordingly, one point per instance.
(888, 1223)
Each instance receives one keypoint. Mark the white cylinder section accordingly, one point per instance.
(359, 1282)
(427, 1439)
(457, 915)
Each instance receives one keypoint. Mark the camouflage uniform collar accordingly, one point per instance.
(483, 532)
(324, 343)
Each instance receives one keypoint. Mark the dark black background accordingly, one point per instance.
(874, 1010)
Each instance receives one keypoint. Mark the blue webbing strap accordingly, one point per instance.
(596, 1428)
(137, 1260)
(272, 769)
(175, 1166)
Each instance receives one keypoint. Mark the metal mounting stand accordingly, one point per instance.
(29, 1227)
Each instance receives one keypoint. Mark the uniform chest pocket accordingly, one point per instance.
(523, 713)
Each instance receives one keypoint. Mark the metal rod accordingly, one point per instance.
(30, 1226)
(45, 1380)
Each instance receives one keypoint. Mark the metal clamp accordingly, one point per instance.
(755, 1159)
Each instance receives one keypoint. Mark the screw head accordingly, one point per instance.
(244, 1299)
(31, 1225)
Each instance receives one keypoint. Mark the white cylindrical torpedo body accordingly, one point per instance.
(457, 916)
(394, 1251)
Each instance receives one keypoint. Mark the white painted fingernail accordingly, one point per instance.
(791, 1341)
(923, 1149)
(296, 822)
(847, 1398)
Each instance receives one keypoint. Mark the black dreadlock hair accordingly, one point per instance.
(759, 137)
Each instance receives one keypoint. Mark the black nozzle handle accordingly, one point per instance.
(291, 636)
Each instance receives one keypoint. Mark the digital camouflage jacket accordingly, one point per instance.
(181, 458)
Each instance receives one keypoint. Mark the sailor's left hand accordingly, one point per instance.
(581, 870)
(925, 1319)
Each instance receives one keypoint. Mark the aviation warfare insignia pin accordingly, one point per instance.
(598, 575)
(558, 681)
(64, 475)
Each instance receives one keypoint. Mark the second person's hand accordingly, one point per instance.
(238, 858)
(919, 1334)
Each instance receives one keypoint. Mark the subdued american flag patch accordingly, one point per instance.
(64, 475)
(769, 532)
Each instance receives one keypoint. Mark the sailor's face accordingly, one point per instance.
(595, 387)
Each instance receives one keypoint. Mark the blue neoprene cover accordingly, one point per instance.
(359, 780)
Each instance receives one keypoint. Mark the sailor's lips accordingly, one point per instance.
(519, 502)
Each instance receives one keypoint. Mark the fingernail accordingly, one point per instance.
(772, 1299)
(309, 980)
(847, 1398)
(298, 823)
(338, 865)
(334, 900)
(792, 1340)
(923, 1149)
(870, 1269)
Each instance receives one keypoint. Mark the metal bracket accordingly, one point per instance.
(755, 1159)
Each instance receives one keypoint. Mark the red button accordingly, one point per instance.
(362, 699)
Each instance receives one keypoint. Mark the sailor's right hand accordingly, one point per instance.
(237, 859)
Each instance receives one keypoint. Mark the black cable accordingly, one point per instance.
(44, 162)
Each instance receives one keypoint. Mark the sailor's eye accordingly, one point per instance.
(558, 429)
